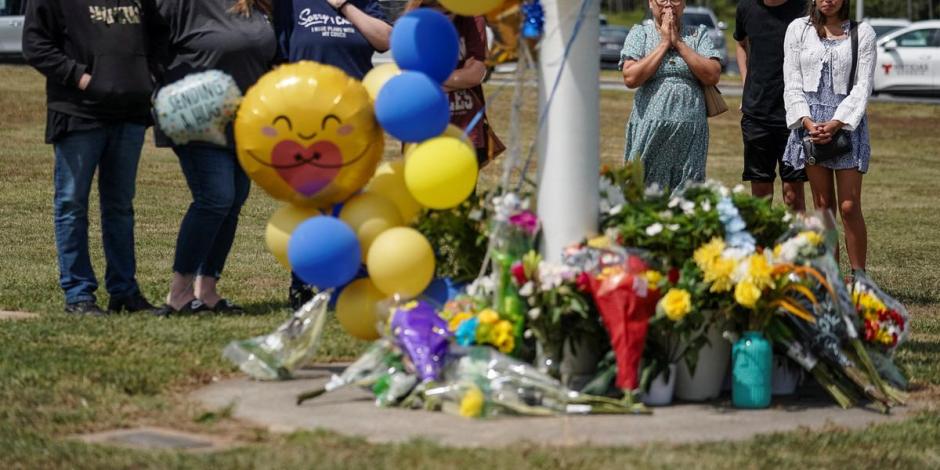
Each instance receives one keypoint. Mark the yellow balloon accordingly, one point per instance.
(471, 7)
(401, 261)
(389, 181)
(281, 226)
(307, 134)
(451, 131)
(376, 78)
(369, 214)
(441, 172)
(357, 311)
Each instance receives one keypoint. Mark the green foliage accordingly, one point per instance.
(460, 237)
(766, 222)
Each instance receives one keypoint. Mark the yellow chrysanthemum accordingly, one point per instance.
(759, 271)
(706, 254)
(719, 275)
(873, 303)
(471, 405)
(884, 337)
(501, 336)
(813, 238)
(747, 294)
(457, 320)
(676, 304)
(488, 317)
(653, 277)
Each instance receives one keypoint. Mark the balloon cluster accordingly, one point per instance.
(312, 137)
(440, 167)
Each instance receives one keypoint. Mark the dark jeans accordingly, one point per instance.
(219, 187)
(114, 151)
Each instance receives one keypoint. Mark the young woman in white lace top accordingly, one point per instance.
(817, 71)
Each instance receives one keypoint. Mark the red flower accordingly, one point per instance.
(583, 282)
(870, 330)
(636, 265)
(518, 273)
(673, 275)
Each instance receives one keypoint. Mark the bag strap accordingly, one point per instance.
(852, 73)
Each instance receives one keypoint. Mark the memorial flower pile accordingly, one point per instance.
(705, 257)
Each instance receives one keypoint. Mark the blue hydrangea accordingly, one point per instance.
(736, 234)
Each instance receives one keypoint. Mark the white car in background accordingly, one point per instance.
(11, 28)
(909, 60)
(883, 26)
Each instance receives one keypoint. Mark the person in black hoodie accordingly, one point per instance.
(236, 37)
(97, 56)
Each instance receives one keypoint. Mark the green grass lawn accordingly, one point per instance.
(61, 375)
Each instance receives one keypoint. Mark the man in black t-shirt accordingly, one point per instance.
(760, 28)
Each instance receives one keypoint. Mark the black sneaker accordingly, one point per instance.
(299, 296)
(130, 303)
(85, 307)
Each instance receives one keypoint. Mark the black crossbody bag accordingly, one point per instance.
(841, 143)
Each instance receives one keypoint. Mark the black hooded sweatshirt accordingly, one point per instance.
(117, 42)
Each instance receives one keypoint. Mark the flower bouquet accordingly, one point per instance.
(557, 311)
(293, 345)
(481, 382)
(886, 325)
(514, 229)
(622, 294)
(381, 358)
(832, 336)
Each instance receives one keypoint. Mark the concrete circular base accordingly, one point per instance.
(352, 412)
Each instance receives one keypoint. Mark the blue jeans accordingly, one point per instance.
(219, 187)
(114, 151)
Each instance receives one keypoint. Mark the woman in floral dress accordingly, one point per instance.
(669, 64)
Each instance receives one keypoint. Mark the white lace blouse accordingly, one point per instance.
(804, 56)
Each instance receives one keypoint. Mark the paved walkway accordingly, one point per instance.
(5, 315)
(351, 412)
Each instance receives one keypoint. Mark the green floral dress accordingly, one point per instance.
(668, 128)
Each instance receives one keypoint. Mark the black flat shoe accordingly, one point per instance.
(298, 297)
(130, 303)
(192, 307)
(85, 308)
(226, 306)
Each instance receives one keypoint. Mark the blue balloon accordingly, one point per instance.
(425, 40)
(412, 107)
(324, 252)
(443, 290)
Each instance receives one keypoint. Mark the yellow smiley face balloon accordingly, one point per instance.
(306, 133)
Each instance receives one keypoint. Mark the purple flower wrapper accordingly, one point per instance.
(423, 335)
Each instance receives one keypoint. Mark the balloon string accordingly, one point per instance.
(515, 131)
(551, 97)
(500, 88)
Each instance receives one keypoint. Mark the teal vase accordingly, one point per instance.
(752, 369)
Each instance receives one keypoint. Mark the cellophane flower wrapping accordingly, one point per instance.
(423, 336)
(481, 382)
(616, 279)
(291, 346)
(514, 229)
(834, 335)
(886, 322)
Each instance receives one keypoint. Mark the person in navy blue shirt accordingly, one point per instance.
(341, 33)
